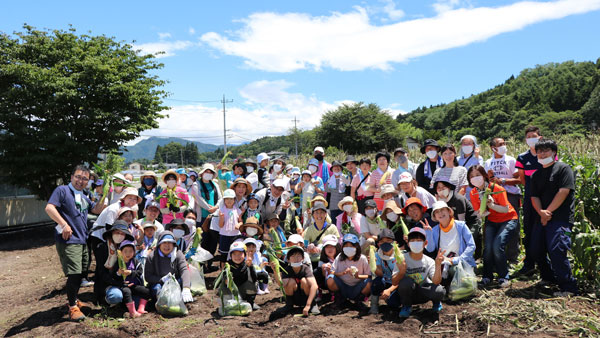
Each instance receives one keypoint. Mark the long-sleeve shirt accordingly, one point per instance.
(158, 265)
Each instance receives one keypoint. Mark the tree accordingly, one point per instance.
(65, 98)
(359, 129)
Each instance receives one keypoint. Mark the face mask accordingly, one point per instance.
(467, 149)
(531, 142)
(402, 159)
(296, 264)
(477, 181)
(312, 169)
(349, 251)
(118, 238)
(347, 208)
(370, 213)
(277, 167)
(391, 216)
(295, 176)
(337, 174)
(189, 181)
(444, 193)
(385, 247)
(249, 169)
(207, 176)
(250, 231)
(416, 247)
(190, 222)
(319, 157)
(501, 150)
(149, 181)
(171, 183)
(178, 233)
(546, 161)
(431, 154)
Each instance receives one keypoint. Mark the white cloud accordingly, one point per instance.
(441, 6)
(392, 12)
(349, 42)
(168, 47)
(163, 36)
(191, 30)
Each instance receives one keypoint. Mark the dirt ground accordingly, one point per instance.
(34, 304)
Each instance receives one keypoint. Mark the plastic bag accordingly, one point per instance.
(169, 301)
(201, 255)
(464, 282)
(228, 306)
(198, 286)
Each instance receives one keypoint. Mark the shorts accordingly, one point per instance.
(73, 258)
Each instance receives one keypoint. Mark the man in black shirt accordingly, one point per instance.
(426, 169)
(553, 198)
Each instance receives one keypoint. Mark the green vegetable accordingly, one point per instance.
(121, 261)
(398, 254)
(275, 239)
(225, 157)
(372, 260)
(197, 238)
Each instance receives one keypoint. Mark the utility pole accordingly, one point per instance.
(296, 134)
(224, 126)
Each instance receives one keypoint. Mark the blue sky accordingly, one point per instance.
(280, 59)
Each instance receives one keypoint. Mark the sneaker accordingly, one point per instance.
(437, 307)
(255, 307)
(266, 290)
(405, 312)
(314, 310)
(82, 305)
(260, 292)
(503, 283)
(563, 294)
(86, 283)
(75, 314)
(485, 281)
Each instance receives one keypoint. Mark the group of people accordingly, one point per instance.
(453, 208)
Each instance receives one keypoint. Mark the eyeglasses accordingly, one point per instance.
(81, 178)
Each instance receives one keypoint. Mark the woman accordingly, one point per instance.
(251, 175)
(242, 189)
(469, 152)
(500, 225)
(349, 220)
(318, 229)
(360, 182)
(451, 171)
(149, 190)
(172, 210)
(382, 159)
(408, 188)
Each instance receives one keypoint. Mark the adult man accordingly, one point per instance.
(271, 201)
(426, 169)
(553, 198)
(69, 207)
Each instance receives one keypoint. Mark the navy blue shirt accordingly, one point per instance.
(64, 201)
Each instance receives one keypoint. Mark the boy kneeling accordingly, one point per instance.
(243, 272)
(418, 277)
(299, 283)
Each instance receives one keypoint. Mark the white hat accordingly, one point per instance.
(306, 172)
(131, 191)
(319, 149)
(296, 239)
(207, 166)
(347, 199)
(405, 177)
(119, 176)
(388, 189)
(330, 240)
(261, 157)
(251, 240)
(438, 205)
(280, 183)
(228, 193)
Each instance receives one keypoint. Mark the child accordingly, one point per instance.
(244, 275)
(128, 215)
(331, 249)
(263, 176)
(132, 284)
(299, 284)
(272, 222)
(190, 217)
(250, 228)
(308, 188)
(259, 262)
(391, 214)
(252, 210)
(418, 277)
(351, 276)
(370, 225)
(167, 259)
(229, 223)
(179, 230)
(385, 261)
(106, 261)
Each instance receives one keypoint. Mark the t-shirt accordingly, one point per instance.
(311, 233)
(231, 219)
(529, 164)
(304, 272)
(499, 199)
(411, 169)
(450, 241)
(386, 266)
(545, 184)
(341, 265)
(372, 226)
(108, 216)
(457, 176)
(422, 194)
(376, 177)
(420, 271)
(64, 201)
(362, 189)
(504, 167)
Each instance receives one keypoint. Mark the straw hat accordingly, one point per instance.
(252, 222)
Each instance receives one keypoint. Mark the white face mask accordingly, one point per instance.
(117, 239)
(431, 154)
(386, 258)
(349, 251)
(370, 213)
(295, 176)
(477, 181)
(277, 167)
(444, 193)
(178, 233)
(171, 183)
(312, 169)
(416, 247)
(531, 142)
(501, 150)
(546, 161)
(467, 149)
(336, 174)
(207, 176)
(190, 222)
(347, 208)
(189, 181)
(296, 264)
(391, 216)
(249, 169)
(250, 231)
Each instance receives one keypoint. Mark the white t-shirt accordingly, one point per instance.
(370, 226)
(420, 271)
(107, 216)
(504, 167)
(449, 241)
